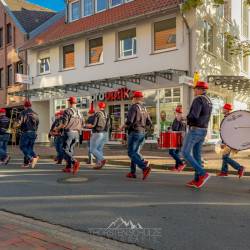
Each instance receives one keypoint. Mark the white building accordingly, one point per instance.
(103, 46)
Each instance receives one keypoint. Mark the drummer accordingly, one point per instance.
(178, 125)
(226, 159)
(90, 120)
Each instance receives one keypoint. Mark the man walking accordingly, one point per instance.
(90, 120)
(197, 119)
(28, 123)
(226, 159)
(138, 120)
(99, 135)
(58, 138)
(4, 137)
(72, 123)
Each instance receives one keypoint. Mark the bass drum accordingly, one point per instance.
(235, 130)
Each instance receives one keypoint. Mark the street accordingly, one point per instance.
(160, 213)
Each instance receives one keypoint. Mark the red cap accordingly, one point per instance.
(138, 94)
(102, 105)
(2, 111)
(72, 100)
(178, 109)
(201, 85)
(228, 106)
(27, 104)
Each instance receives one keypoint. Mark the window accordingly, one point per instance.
(44, 65)
(1, 37)
(245, 19)
(1, 78)
(127, 43)
(68, 56)
(75, 10)
(225, 49)
(8, 33)
(19, 68)
(165, 34)
(88, 7)
(208, 37)
(60, 104)
(95, 50)
(101, 5)
(9, 75)
(173, 95)
(115, 2)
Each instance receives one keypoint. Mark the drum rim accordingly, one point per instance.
(224, 120)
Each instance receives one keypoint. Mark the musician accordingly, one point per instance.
(90, 120)
(197, 119)
(4, 137)
(28, 123)
(138, 120)
(178, 125)
(58, 137)
(100, 128)
(226, 159)
(164, 124)
(72, 124)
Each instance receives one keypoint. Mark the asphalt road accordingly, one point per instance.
(159, 213)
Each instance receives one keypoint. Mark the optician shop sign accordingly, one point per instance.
(111, 96)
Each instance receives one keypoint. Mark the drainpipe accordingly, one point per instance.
(189, 41)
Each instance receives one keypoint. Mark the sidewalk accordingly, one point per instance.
(22, 233)
(117, 155)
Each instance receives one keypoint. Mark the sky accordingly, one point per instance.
(51, 4)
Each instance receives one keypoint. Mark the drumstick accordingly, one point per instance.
(241, 127)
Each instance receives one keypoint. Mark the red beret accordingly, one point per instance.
(102, 105)
(228, 106)
(178, 110)
(138, 94)
(201, 85)
(72, 100)
(27, 103)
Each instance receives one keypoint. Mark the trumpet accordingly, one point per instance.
(14, 114)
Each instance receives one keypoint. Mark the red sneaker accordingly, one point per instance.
(191, 183)
(76, 167)
(241, 172)
(146, 172)
(202, 180)
(174, 169)
(103, 162)
(66, 170)
(131, 175)
(222, 174)
(181, 167)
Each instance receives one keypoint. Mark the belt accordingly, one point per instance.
(194, 127)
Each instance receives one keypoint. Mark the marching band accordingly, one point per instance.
(185, 136)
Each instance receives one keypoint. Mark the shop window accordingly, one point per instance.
(208, 36)
(9, 75)
(44, 65)
(115, 114)
(127, 43)
(95, 50)
(1, 37)
(60, 104)
(8, 33)
(126, 109)
(68, 56)
(165, 34)
(82, 103)
(88, 7)
(1, 78)
(75, 10)
(100, 5)
(172, 95)
(19, 67)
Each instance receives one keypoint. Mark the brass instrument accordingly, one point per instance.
(14, 114)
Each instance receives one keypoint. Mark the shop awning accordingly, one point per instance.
(91, 87)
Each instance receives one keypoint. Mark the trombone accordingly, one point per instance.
(14, 114)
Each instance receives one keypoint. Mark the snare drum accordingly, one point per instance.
(86, 134)
(170, 140)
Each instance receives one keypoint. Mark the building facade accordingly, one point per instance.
(103, 50)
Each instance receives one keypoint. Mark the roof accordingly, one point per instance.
(117, 15)
(29, 16)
